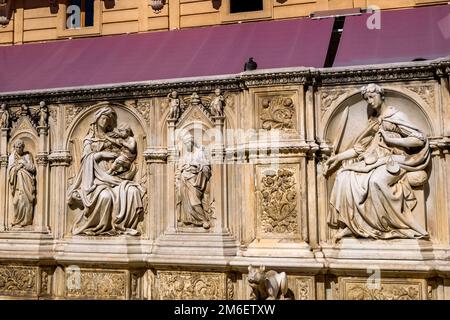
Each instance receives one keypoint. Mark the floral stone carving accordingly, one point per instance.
(277, 113)
(279, 201)
(17, 281)
(191, 285)
(96, 284)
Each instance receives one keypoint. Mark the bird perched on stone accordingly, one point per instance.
(250, 65)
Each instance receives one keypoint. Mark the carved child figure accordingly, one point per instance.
(217, 104)
(174, 105)
(128, 149)
(269, 285)
(4, 116)
(43, 114)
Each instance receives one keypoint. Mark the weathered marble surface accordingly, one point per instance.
(126, 207)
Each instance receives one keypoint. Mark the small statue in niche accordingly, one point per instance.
(4, 116)
(372, 196)
(43, 114)
(191, 180)
(174, 105)
(22, 181)
(269, 285)
(128, 149)
(217, 104)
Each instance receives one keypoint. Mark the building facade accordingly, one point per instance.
(164, 165)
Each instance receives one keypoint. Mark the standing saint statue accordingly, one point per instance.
(191, 179)
(372, 196)
(22, 181)
(4, 116)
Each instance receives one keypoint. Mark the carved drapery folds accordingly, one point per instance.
(191, 182)
(104, 191)
(22, 181)
(373, 195)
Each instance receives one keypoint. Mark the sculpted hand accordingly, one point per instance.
(332, 163)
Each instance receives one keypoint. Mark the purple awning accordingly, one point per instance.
(216, 50)
(404, 35)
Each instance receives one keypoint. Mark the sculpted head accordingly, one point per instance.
(374, 95)
(106, 119)
(188, 141)
(19, 147)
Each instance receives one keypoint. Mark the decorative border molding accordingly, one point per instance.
(315, 76)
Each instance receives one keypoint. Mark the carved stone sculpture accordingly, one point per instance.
(4, 116)
(22, 181)
(111, 202)
(191, 180)
(43, 115)
(277, 113)
(217, 104)
(174, 105)
(372, 196)
(269, 285)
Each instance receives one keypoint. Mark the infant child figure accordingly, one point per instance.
(128, 149)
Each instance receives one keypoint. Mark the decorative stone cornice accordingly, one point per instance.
(308, 76)
(62, 158)
(156, 155)
(382, 74)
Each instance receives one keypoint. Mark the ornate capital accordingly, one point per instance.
(3, 161)
(42, 159)
(60, 159)
(156, 155)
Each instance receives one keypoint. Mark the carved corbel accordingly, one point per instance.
(156, 155)
(5, 12)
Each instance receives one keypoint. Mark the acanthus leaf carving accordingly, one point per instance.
(191, 285)
(18, 280)
(278, 201)
(71, 112)
(277, 113)
(329, 97)
(98, 285)
(425, 92)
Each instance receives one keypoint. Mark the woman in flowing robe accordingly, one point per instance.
(22, 180)
(110, 205)
(372, 197)
(192, 177)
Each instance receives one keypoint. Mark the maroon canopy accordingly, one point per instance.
(206, 51)
(404, 35)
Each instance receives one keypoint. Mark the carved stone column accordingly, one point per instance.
(42, 190)
(156, 159)
(172, 155)
(3, 176)
(219, 176)
(59, 161)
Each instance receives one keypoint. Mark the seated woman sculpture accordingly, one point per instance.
(372, 196)
(110, 204)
